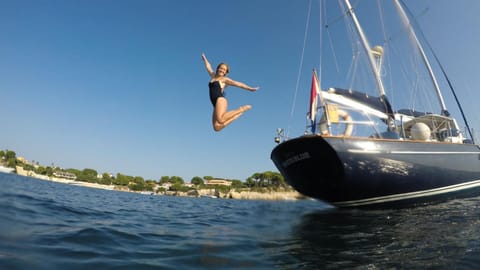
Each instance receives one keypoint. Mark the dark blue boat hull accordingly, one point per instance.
(357, 172)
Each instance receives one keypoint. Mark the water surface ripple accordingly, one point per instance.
(47, 225)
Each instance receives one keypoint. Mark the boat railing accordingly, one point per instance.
(431, 127)
(342, 120)
(336, 116)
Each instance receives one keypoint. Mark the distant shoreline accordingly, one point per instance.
(242, 195)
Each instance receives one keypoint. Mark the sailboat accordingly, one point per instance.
(362, 152)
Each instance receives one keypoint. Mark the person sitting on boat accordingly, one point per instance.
(219, 80)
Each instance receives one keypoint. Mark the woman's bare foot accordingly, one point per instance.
(245, 108)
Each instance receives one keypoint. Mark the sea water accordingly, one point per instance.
(48, 225)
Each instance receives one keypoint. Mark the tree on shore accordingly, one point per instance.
(197, 181)
(122, 180)
(266, 180)
(137, 184)
(88, 175)
(237, 184)
(106, 179)
(9, 158)
(171, 179)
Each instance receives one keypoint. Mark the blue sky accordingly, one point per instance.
(119, 85)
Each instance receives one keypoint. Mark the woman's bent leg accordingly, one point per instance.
(222, 118)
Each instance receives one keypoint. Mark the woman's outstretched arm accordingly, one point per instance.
(208, 67)
(242, 85)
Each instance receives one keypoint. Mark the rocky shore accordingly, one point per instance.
(242, 195)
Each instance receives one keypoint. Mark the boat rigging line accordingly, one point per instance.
(299, 68)
(419, 30)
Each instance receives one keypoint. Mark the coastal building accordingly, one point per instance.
(166, 186)
(221, 182)
(65, 175)
(188, 185)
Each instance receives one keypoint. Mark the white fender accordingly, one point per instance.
(345, 117)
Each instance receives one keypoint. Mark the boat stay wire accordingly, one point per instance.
(444, 73)
(299, 68)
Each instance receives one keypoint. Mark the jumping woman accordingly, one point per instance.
(219, 80)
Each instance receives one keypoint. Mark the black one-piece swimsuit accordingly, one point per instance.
(215, 92)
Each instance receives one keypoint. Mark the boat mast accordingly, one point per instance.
(368, 49)
(374, 66)
(424, 57)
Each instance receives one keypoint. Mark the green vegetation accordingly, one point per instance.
(261, 182)
(8, 158)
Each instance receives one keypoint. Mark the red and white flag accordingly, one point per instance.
(314, 92)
